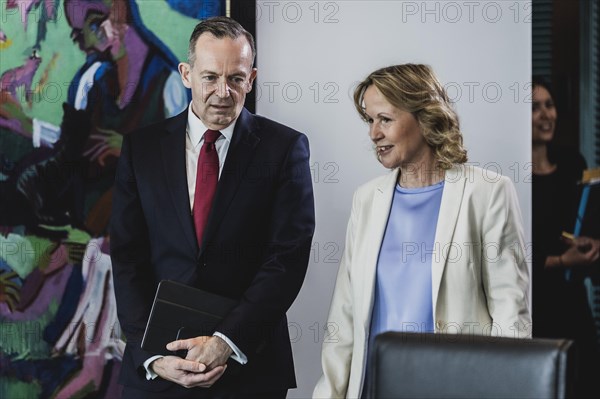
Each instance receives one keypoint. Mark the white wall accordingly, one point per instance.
(310, 56)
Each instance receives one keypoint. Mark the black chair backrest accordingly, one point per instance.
(410, 365)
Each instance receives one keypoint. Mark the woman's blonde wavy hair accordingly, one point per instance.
(415, 88)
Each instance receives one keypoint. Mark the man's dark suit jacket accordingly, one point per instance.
(256, 247)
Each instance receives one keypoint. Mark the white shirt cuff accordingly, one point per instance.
(150, 374)
(237, 354)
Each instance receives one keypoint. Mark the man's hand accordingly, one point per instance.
(203, 365)
(210, 351)
(187, 373)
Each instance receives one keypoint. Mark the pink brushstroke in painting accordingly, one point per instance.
(14, 78)
(25, 6)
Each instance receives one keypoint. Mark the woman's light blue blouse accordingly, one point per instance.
(403, 284)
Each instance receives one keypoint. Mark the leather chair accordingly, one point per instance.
(410, 365)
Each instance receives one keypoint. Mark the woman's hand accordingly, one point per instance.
(582, 251)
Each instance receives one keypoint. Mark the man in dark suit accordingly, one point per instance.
(219, 199)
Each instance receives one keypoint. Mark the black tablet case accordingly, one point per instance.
(180, 312)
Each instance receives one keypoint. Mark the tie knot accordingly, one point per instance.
(210, 136)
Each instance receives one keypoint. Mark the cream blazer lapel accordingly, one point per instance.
(454, 186)
(379, 213)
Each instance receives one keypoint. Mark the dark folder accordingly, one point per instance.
(180, 312)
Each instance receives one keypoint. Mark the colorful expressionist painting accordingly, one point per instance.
(76, 76)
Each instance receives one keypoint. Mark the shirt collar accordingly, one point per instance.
(196, 128)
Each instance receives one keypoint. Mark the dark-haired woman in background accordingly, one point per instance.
(560, 304)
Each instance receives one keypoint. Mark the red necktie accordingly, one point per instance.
(207, 176)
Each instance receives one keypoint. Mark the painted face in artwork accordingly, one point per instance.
(93, 30)
(220, 78)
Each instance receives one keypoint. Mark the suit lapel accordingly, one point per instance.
(454, 186)
(239, 155)
(173, 156)
(380, 211)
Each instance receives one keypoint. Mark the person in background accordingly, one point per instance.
(188, 208)
(417, 255)
(560, 304)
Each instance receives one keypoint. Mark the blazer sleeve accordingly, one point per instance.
(336, 355)
(130, 255)
(505, 272)
(286, 252)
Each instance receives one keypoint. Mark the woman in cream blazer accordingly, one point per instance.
(479, 277)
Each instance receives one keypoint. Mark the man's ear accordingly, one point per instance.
(185, 72)
(251, 80)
